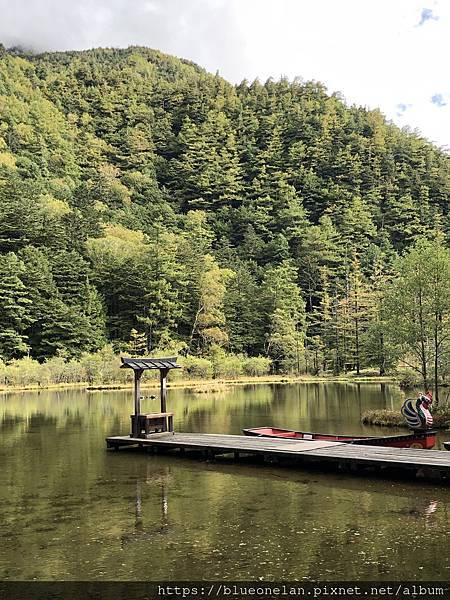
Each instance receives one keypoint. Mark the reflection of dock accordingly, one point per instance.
(432, 464)
(142, 531)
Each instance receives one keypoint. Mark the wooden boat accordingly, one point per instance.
(417, 439)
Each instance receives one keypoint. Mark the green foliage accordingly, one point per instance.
(102, 367)
(137, 346)
(24, 372)
(285, 311)
(393, 418)
(257, 366)
(418, 308)
(242, 307)
(14, 308)
(383, 417)
(197, 367)
(140, 194)
(407, 379)
(226, 365)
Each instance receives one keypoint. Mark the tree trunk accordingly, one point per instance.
(194, 326)
(436, 366)
(357, 347)
(423, 354)
(382, 364)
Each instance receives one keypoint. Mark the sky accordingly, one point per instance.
(387, 54)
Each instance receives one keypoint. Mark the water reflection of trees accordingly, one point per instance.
(85, 512)
(160, 511)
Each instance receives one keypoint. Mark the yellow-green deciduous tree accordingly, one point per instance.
(418, 308)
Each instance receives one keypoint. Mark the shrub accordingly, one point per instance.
(103, 366)
(228, 365)
(257, 366)
(393, 418)
(388, 418)
(408, 380)
(441, 416)
(197, 368)
(55, 366)
(3, 377)
(26, 371)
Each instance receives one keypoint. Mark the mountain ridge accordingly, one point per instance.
(192, 212)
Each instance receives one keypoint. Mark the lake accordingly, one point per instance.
(70, 510)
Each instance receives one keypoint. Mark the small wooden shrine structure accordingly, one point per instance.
(144, 424)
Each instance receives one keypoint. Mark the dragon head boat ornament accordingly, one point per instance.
(417, 412)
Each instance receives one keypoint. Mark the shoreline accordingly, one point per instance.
(204, 383)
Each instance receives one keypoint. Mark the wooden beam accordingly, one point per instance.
(137, 400)
(163, 388)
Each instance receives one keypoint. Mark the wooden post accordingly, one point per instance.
(163, 388)
(137, 400)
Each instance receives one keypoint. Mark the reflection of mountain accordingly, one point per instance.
(12, 430)
(120, 515)
(61, 404)
(91, 514)
(104, 406)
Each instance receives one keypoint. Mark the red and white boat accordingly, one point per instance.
(417, 439)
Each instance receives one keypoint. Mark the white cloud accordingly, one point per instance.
(373, 51)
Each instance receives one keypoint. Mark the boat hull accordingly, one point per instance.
(418, 439)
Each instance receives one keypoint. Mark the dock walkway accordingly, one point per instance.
(433, 464)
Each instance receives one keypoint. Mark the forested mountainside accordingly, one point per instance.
(148, 203)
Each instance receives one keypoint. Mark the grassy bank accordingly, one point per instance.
(394, 418)
(201, 385)
(102, 371)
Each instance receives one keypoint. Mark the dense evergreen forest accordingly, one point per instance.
(148, 204)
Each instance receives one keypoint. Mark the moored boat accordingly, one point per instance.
(417, 439)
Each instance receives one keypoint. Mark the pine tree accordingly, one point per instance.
(208, 170)
(208, 326)
(103, 156)
(320, 340)
(379, 347)
(285, 314)
(14, 308)
(67, 333)
(242, 311)
(20, 215)
(137, 346)
(41, 288)
(360, 303)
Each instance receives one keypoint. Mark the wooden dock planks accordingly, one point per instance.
(433, 462)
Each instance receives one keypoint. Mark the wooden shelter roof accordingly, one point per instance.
(143, 364)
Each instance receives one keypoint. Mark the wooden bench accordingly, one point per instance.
(152, 423)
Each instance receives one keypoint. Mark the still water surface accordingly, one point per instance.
(70, 510)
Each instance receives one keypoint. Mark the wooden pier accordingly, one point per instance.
(427, 464)
(154, 431)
